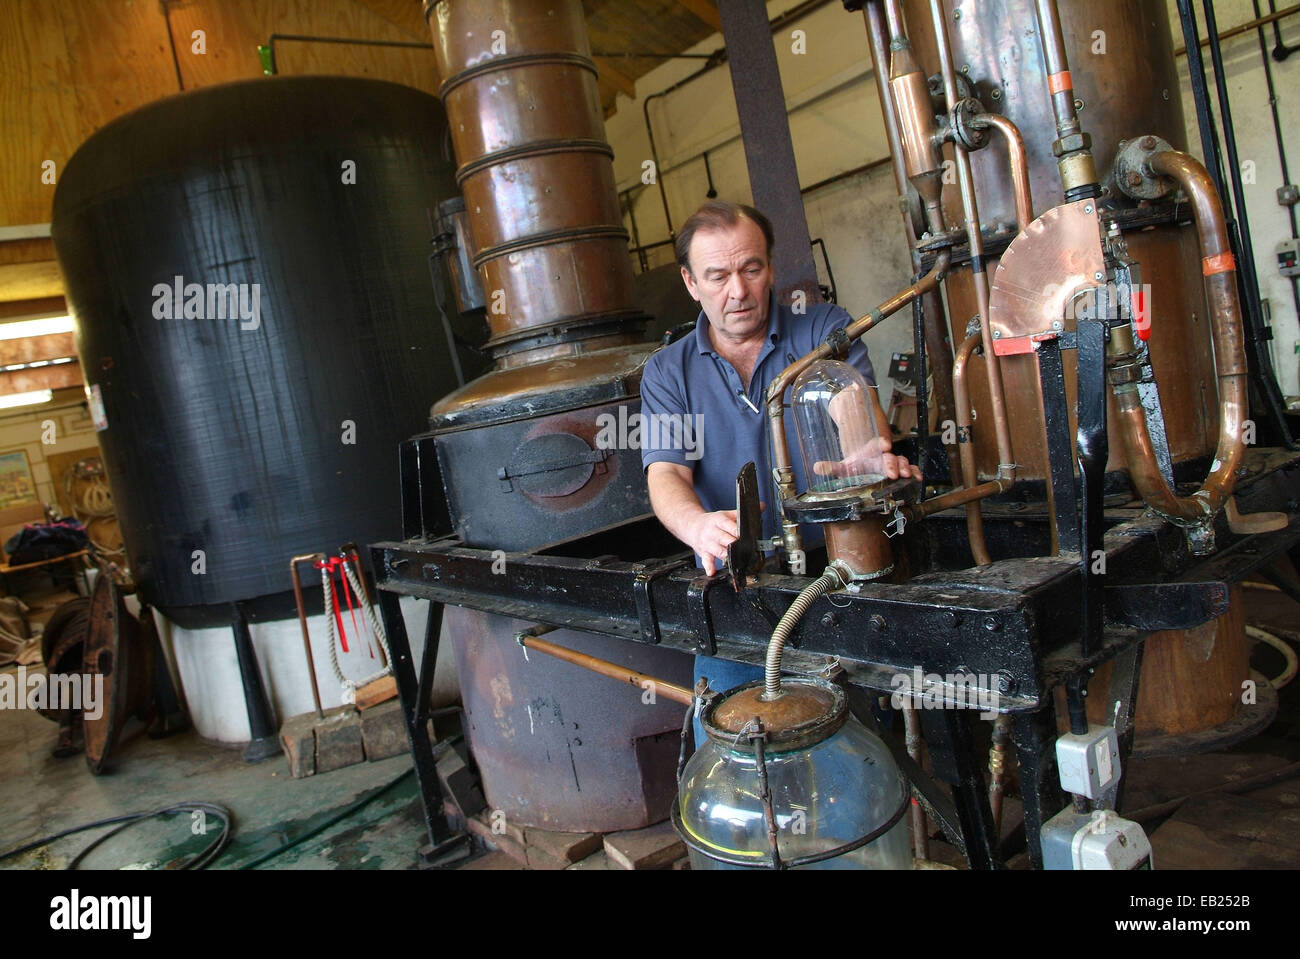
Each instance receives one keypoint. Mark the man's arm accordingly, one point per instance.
(673, 498)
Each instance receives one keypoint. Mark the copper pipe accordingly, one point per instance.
(1019, 157)
(937, 351)
(782, 471)
(894, 18)
(997, 769)
(920, 828)
(970, 208)
(1072, 148)
(302, 621)
(660, 687)
(1229, 360)
(966, 445)
(1057, 63)
(956, 497)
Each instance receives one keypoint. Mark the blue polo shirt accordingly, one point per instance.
(688, 383)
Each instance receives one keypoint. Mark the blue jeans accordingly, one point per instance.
(723, 674)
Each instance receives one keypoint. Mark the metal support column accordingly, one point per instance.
(769, 150)
(414, 695)
(265, 738)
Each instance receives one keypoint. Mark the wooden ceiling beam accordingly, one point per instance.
(616, 78)
(705, 11)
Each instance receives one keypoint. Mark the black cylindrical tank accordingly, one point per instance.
(248, 268)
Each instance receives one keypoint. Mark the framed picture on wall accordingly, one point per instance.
(17, 487)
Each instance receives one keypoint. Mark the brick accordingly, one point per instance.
(460, 783)
(493, 861)
(383, 731)
(298, 740)
(560, 849)
(338, 739)
(597, 860)
(655, 847)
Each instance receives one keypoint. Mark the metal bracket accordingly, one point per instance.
(645, 609)
(701, 620)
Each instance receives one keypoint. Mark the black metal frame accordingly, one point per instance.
(1013, 623)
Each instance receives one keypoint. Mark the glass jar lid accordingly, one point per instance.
(808, 711)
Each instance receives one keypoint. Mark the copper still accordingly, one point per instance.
(1014, 113)
(516, 451)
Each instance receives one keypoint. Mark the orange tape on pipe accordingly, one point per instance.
(1219, 263)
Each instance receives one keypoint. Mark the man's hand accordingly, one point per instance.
(709, 534)
(675, 502)
(872, 457)
(865, 451)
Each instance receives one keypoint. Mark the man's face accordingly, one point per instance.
(731, 277)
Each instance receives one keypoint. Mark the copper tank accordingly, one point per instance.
(519, 86)
(1128, 88)
(1131, 89)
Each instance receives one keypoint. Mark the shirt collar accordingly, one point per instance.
(705, 345)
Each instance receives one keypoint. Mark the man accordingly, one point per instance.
(717, 377)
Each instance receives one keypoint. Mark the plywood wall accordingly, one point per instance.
(66, 69)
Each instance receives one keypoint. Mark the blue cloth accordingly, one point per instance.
(723, 674)
(687, 382)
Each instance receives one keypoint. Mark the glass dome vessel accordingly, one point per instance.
(837, 430)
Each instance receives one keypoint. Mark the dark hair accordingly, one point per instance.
(717, 215)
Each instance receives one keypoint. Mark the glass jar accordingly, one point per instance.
(831, 782)
(836, 425)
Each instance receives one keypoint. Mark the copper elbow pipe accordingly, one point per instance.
(970, 209)
(776, 391)
(966, 447)
(782, 471)
(1019, 157)
(1229, 361)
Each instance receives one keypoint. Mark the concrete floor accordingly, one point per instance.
(40, 795)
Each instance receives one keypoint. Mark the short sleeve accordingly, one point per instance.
(663, 394)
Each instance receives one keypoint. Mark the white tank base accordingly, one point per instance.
(204, 661)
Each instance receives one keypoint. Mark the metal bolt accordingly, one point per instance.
(1148, 143)
(1006, 685)
(1165, 93)
(956, 14)
(992, 624)
(1088, 208)
(997, 334)
(1135, 179)
(951, 618)
(995, 94)
(1098, 276)
(1078, 104)
(1056, 324)
(830, 620)
(877, 623)
(965, 68)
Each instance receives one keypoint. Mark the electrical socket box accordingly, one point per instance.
(1089, 762)
(1288, 257)
(1094, 840)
